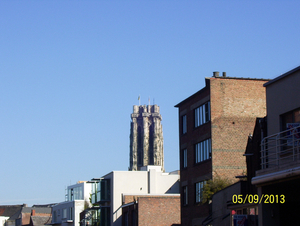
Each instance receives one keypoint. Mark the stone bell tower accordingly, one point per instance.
(146, 137)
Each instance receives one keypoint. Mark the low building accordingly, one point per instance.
(151, 210)
(20, 215)
(41, 214)
(9, 214)
(77, 197)
(108, 192)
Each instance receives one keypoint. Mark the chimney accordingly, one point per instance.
(216, 74)
(33, 212)
(224, 74)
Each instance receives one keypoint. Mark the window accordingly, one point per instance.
(184, 125)
(64, 213)
(101, 191)
(184, 158)
(290, 117)
(202, 114)
(71, 213)
(185, 195)
(203, 151)
(199, 191)
(54, 217)
(75, 193)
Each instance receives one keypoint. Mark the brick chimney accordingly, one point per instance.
(32, 212)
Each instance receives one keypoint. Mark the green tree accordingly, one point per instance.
(212, 186)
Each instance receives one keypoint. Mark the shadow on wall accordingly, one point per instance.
(174, 189)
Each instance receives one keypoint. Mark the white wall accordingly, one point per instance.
(153, 181)
(2, 220)
(77, 207)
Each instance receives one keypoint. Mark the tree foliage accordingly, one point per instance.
(212, 186)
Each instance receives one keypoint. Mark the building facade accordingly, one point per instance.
(107, 196)
(278, 178)
(151, 210)
(214, 125)
(146, 137)
(77, 197)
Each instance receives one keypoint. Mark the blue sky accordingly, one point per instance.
(70, 72)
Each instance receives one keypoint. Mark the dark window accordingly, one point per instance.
(139, 147)
(199, 191)
(151, 132)
(185, 195)
(203, 151)
(202, 114)
(184, 158)
(290, 117)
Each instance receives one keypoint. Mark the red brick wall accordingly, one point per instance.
(235, 105)
(129, 198)
(158, 211)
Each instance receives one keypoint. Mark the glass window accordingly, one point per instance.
(184, 125)
(71, 214)
(185, 195)
(199, 191)
(101, 191)
(203, 151)
(184, 158)
(202, 114)
(64, 213)
(54, 216)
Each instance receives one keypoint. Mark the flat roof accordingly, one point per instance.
(219, 77)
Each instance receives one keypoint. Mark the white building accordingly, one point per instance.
(3, 220)
(109, 190)
(77, 199)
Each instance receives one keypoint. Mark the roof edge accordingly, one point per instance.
(282, 76)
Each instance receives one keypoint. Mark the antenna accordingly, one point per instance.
(149, 101)
(139, 98)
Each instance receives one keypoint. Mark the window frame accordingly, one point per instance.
(199, 186)
(64, 213)
(289, 117)
(184, 158)
(202, 150)
(202, 114)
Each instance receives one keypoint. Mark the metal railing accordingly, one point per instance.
(281, 148)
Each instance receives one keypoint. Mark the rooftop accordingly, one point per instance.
(282, 76)
(216, 76)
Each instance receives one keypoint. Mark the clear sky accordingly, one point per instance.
(70, 72)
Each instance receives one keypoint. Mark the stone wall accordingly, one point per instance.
(146, 137)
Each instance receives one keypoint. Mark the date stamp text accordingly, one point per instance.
(256, 199)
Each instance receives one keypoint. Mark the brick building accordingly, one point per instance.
(109, 191)
(149, 210)
(214, 125)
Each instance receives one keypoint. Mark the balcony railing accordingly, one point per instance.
(281, 148)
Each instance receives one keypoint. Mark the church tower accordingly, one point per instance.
(146, 137)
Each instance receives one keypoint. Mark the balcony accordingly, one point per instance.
(100, 191)
(280, 151)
